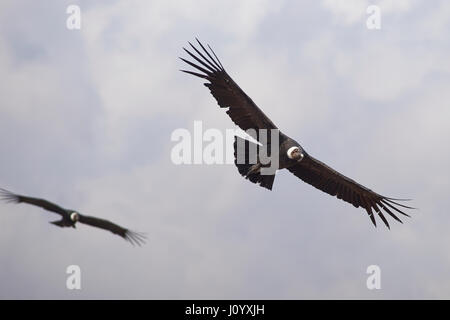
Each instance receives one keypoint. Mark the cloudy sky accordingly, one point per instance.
(86, 118)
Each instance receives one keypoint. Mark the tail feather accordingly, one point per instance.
(59, 223)
(245, 156)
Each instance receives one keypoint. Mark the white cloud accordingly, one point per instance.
(349, 12)
(129, 59)
(380, 72)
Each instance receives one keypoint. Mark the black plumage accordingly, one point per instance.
(69, 217)
(246, 114)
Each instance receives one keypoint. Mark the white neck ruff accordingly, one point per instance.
(290, 151)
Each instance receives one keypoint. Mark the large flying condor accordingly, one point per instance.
(71, 217)
(246, 114)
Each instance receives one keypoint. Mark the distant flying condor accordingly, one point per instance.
(246, 114)
(71, 217)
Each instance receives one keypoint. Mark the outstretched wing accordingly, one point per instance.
(8, 196)
(132, 237)
(242, 110)
(324, 178)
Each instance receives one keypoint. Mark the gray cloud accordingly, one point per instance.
(86, 118)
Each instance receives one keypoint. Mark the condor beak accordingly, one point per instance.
(297, 155)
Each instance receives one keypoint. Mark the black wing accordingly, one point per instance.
(324, 178)
(8, 196)
(242, 110)
(132, 237)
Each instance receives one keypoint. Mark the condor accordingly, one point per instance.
(69, 217)
(292, 156)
